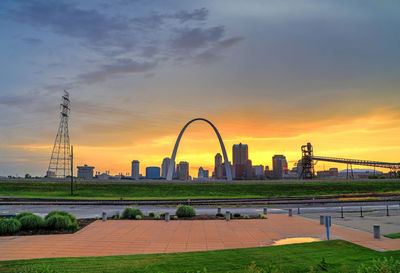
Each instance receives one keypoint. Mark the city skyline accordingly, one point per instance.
(273, 75)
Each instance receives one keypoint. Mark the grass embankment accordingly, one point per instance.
(177, 191)
(339, 256)
(393, 235)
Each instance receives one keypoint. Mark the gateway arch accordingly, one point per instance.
(226, 161)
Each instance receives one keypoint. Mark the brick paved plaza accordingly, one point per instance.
(123, 237)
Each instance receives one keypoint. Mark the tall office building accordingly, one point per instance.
(218, 171)
(135, 169)
(165, 166)
(259, 171)
(249, 174)
(182, 170)
(279, 165)
(240, 156)
(203, 174)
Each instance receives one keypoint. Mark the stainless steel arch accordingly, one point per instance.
(226, 161)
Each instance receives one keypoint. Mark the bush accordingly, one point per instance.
(175, 217)
(61, 213)
(157, 217)
(152, 214)
(116, 216)
(59, 222)
(262, 216)
(236, 215)
(8, 226)
(386, 265)
(131, 213)
(185, 211)
(246, 216)
(138, 217)
(162, 214)
(219, 215)
(23, 214)
(32, 222)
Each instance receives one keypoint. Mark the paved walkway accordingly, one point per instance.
(123, 237)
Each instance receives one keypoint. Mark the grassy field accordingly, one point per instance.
(393, 235)
(149, 191)
(339, 256)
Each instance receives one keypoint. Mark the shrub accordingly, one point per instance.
(236, 215)
(22, 214)
(9, 226)
(162, 214)
(390, 265)
(219, 215)
(61, 213)
(138, 217)
(185, 211)
(262, 216)
(246, 216)
(152, 214)
(131, 213)
(157, 217)
(59, 222)
(116, 216)
(175, 217)
(32, 222)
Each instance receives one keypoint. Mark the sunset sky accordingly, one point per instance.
(272, 74)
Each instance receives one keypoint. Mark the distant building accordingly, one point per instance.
(51, 174)
(249, 169)
(103, 176)
(218, 171)
(259, 171)
(153, 173)
(279, 165)
(85, 171)
(182, 170)
(240, 155)
(135, 169)
(203, 174)
(165, 166)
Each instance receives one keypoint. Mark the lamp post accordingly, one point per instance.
(72, 170)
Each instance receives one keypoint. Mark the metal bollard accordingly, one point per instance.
(290, 212)
(361, 215)
(387, 210)
(321, 220)
(377, 231)
(219, 211)
(167, 217)
(228, 215)
(342, 212)
(265, 210)
(298, 210)
(327, 226)
(104, 216)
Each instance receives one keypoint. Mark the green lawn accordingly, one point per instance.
(143, 190)
(340, 256)
(393, 235)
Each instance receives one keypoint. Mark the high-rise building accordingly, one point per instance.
(153, 172)
(218, 171)
(249, 169)
(259, 171)
(240, 155)
(203, 174)
(135, 169)
(279, 165)
(182, 170)
(165, 166)
(85, 171)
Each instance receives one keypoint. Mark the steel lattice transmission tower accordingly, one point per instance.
(60, 161)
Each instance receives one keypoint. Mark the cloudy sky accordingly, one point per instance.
(272, 74)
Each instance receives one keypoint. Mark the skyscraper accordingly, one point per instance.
(165, 166)
(183, 170)
(135, 169)
(218, 171)
(203, 174)
(240, 156)
(279, 165)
